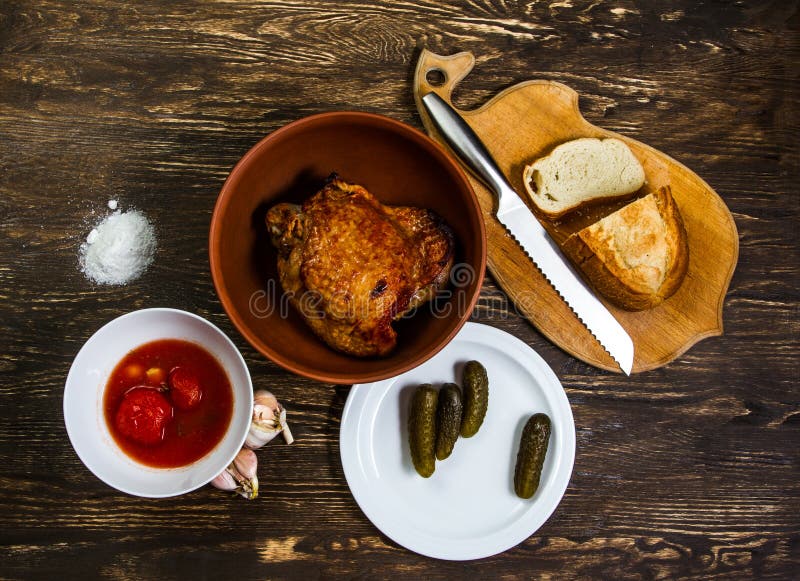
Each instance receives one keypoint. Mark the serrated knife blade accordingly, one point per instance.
(526, 229)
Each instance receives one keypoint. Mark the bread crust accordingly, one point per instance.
(634, 269)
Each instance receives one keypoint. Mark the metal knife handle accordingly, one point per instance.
(465, 142)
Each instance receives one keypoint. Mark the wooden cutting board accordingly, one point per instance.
(525, 122)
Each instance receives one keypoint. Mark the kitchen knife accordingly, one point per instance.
(514, 214)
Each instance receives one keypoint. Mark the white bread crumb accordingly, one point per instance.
(580, 171)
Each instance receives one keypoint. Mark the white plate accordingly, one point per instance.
(468, 508)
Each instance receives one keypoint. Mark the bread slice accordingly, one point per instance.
(636, 257)
(580, 171)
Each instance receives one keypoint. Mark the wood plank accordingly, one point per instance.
(687, 471)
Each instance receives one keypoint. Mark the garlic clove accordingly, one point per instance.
(257, 436)
(245, 464)
(225, 481)
(240, 476)
(269, 419)
(265, 398)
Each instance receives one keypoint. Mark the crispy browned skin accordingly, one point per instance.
(352, 265)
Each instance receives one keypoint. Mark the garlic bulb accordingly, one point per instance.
(240, 476)
(269, 419)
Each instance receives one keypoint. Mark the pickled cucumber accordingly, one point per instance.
(422, 429)
(476, 398)
(448, 419)
(530, 458)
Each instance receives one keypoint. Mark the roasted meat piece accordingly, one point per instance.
(351, 265)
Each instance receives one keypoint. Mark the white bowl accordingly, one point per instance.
(83, 402)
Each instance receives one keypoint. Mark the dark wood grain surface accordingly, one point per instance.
(690, 470)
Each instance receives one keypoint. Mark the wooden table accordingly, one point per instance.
(690, 470)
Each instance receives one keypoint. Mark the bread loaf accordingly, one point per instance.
(580, 171)
(636, 257)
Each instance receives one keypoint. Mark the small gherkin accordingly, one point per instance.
(476, 398)
(422, 429)
(530, 458)
(448, 419)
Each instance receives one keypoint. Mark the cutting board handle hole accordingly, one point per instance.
(436, 77)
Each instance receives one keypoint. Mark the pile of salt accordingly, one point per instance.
(119, 248)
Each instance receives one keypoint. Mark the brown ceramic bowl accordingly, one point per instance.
(400, 166)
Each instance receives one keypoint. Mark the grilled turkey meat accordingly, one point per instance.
(352, 265)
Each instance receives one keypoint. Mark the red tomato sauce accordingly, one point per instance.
(196, 422)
